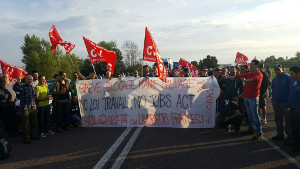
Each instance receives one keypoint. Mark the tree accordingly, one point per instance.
(195, 63)
(209, 62)
(37, 56)
(270, 59)
(131, 52)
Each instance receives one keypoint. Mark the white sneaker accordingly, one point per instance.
(50, 132)
(43, 135)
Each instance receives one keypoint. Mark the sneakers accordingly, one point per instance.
(257, 137)
(43, 135)
(278, 137)
(50, 132)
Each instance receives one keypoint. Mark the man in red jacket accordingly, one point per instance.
(251, 94)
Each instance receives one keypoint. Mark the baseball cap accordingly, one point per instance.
(277, 66)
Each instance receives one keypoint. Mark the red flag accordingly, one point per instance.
(150, 49)
(13, 71)
(241, 59)
(98, 53)
(151, 54)
(57, 40)
(194, 71)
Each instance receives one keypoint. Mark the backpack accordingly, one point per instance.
(5, 149)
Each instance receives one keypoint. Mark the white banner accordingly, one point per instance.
(179, 103)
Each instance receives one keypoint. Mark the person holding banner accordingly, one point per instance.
(61, 91)
(251, 94)
(146, 72)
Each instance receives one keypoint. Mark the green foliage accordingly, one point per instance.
(195, 63)
(37, 56)
(285, 61)
(209, 62)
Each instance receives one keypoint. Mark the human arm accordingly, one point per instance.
(79, 74)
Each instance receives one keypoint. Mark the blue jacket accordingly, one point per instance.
(280, 88)
(294, 96)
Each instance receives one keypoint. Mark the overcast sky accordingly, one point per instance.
(190, 29)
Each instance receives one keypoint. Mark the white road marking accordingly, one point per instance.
(112, 149)
(284, 154)
(126, 149)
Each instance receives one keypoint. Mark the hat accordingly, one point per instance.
(277, 67)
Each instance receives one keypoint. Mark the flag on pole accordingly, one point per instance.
(57, 40)
(98, 53)
(193, 70)
(13, 71)
(151, 54)
(241, 59)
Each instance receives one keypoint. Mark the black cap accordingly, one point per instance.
(277, 67)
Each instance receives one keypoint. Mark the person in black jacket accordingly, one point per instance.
(263, 94)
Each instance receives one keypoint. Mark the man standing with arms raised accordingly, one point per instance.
(251, 94)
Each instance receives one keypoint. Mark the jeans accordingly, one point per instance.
(252, 111)
(43, 118)
(282, 114)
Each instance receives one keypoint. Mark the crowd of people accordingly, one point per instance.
(244, 90)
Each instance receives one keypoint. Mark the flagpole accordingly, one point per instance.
(71, 60)
(94, 68)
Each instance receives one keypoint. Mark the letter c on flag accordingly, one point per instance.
(149, 47)
(93, 53)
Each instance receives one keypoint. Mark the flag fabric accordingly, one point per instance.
(241, 59)
(98, 53)
(254, 58)
(151, 54)
(193, 70)
(13, 71)
(57, 40)
(150, 49)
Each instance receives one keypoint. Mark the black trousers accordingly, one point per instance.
(63, 114)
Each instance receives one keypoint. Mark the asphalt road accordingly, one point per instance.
(143, 148)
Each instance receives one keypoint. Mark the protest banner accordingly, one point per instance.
(136, 102)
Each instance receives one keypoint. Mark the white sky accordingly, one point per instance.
(190, 29)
